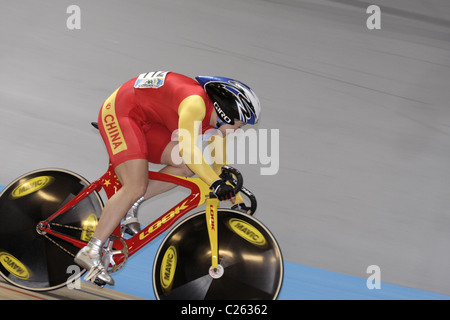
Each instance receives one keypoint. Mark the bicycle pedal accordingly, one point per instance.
(130, 227)
(99, 283)
(92, 275)
(96, 273)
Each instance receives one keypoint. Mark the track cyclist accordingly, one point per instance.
(136, 123)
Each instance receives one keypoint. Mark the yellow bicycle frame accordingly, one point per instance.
(212, 203)
(211, 221)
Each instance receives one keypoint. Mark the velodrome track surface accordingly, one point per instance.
(363, 119)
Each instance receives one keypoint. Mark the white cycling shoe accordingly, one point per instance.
(90, 258)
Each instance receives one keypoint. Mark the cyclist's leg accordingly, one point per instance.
(125, 143)
(172, 167)
(162, 150)
(133, 175)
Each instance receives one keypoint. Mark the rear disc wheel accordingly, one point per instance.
(34, 260)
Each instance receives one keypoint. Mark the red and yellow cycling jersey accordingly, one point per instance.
(138, 119)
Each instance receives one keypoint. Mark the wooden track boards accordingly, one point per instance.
(87, 291)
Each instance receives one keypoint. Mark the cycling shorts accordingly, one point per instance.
(126, 136)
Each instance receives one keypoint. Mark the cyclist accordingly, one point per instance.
(137, 122)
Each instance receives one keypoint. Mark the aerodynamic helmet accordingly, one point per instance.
(232, 100)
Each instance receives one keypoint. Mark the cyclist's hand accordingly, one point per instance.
(222, 190)
(242, 208)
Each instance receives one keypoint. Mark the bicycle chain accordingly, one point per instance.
(56, 243)
(65, 226)
(114, 269)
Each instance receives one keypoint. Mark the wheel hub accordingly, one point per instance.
(216, 273)
(41, 227)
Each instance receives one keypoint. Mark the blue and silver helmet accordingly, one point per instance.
(232, 99)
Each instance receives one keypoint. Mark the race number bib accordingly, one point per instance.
(151, 80)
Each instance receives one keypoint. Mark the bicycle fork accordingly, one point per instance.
(212, 203)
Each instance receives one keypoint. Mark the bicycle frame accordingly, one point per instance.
(200, 193)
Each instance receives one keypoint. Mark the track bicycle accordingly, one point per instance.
(47, 215)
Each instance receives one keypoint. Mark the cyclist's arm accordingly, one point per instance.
(218, 150)
(192, 111)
